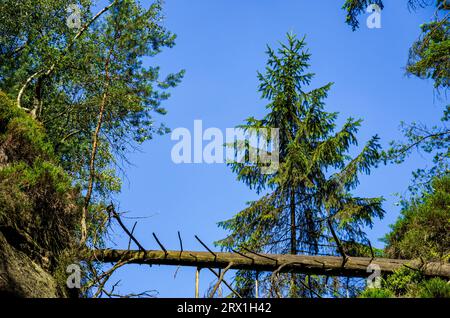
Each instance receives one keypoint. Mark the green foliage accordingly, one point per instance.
(74, 85)
(103, 65)
(38, 204)
(89, 90)
(315, 177)
(25, 204)
(376, 293)
(403, 281)
(361, 250)
(422, 230)
(429, 56)
(434, 288)
(22, 132)
(430, 140)
(409, 283)
(354, 8)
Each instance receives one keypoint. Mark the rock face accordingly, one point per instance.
(39, 213)
(20, 276)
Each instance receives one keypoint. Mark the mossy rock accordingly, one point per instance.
(39, 206)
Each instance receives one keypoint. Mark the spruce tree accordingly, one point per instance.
(306, 205)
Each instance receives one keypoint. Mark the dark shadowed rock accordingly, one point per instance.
(20, 276)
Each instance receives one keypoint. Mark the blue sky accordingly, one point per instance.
(221, 45)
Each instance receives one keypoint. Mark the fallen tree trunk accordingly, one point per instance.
(319, 265)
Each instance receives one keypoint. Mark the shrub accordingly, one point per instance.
(39, 211)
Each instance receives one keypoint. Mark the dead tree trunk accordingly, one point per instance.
(318, 265)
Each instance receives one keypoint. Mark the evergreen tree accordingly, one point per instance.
(307, 206)
(87, 85)
(429, 56)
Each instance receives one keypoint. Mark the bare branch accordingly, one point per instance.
(220, 280)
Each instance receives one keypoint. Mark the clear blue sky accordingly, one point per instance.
(221, 45)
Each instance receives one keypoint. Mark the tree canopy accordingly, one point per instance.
(307, 204)
(88, 87)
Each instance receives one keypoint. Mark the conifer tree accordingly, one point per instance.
(306, 205)
(88, 85)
